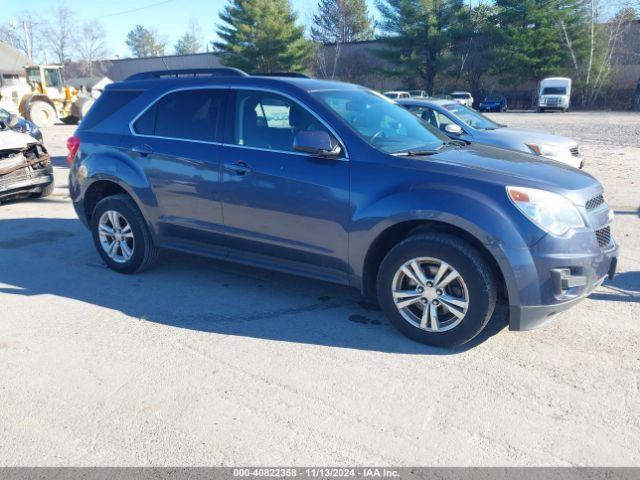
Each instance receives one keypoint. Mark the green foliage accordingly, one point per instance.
(187, 44)
(262, 36)
(340, 21)
(475, 49)
(420, 35)
(144, 42)
(530, 47)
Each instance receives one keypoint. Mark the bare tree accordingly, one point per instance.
(59, 32)
(92, 45)
(338, 22)
(593, 44)
(23, 34)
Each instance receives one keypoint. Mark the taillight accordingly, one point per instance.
(73, 143)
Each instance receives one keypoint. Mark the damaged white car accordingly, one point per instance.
(25, 166)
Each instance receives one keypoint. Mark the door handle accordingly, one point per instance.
(143, 150)
(238, 168)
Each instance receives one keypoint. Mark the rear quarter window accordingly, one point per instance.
(107, 104)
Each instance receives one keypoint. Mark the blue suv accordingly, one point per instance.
(333, 181)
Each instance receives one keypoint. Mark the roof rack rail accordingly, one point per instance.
(282, 74)
(189, 72)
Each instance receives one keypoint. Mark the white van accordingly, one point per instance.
(554, 94)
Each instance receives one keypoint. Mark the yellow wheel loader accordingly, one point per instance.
(44, 98)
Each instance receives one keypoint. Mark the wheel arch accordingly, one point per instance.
(106, 186)
(396, 233)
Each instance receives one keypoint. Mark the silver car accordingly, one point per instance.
(463, 123)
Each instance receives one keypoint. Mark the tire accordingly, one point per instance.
(81, 107)
(42, 114)
(143, 251)
(475, 276)
(46, 191)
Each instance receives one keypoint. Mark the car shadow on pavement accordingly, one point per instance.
(625, 287)
(55, 256)
(59, 161)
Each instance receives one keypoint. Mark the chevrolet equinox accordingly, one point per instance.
(333, 181)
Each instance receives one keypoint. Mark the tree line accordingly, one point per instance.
(426, 40)
(422, 41)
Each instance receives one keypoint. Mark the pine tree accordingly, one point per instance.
(530, 46)
(262, 36)
(145, 43)
(419, 35)
(341, 21)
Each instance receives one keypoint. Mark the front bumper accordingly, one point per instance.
(26, 180)
(570, 280)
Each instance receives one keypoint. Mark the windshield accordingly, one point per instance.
(492, 99)
(381, 123)
(471, 117)
(554, 91)
(460, 95)
(416, 93)
(392, 95)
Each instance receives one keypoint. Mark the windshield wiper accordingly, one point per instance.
(415, 153)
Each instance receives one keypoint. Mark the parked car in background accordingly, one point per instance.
(19, 124)
(418, 94)
(25, 166)
(463, 123)
(494, 103)
(464, 98)
(336, 182)
(554, 94)
(442, 96)
(396, 95)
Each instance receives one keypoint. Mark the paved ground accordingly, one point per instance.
(202, 363)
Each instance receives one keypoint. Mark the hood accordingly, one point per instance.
(507, 167)
(521, 136)
(12, 140)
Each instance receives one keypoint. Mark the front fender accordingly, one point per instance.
(478, 214)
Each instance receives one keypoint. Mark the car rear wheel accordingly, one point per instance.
(121, 236)
(437, 289)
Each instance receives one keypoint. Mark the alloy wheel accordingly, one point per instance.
(116, 236)
(430, 294)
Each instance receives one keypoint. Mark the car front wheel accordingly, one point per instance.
(121, 236)
(437, 289)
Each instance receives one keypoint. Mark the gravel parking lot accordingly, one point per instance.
(197, 362)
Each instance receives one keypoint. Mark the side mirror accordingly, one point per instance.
(316, 143)
(13, 120)
(453, 129)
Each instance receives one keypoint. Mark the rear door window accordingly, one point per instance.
(187, 114)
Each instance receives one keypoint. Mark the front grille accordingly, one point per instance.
(14, 177)
(575, 151)
(604, 237)
(594, 203)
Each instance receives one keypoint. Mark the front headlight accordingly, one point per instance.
(551, 151)
(553, 213)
